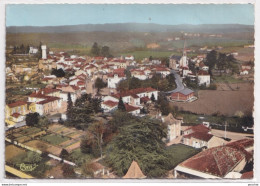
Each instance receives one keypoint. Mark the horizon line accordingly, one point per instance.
(130, 23)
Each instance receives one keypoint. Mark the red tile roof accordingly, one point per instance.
(16, 104)
(203, 73)
(16, 115)
(247, 175)
(119, 74)
(199, 135)
(130, 108)
(144, 99)
(245, 143)
(110, 103)
(217, 161)
(48, 100)
(199, 128)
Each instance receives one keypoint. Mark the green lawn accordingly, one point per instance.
(226, 79)
(30, 130)
(178, 153)
(79, 158)
(54, 139)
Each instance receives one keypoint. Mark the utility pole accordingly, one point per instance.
(225, 129)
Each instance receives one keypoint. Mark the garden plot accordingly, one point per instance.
(12, 151)
(44, 147)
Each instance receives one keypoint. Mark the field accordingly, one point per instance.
(54, 139)
(12, 151)
(37, 144)
(224, 102)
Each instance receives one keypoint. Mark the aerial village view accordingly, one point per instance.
(157, 94)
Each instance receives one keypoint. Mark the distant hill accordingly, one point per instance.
(133, 27)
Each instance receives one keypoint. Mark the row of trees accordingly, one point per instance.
(103, 51)
(21, 49)
(156, 82)
(221, 61)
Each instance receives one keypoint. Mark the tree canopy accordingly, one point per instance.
(58, 72)
(82, 113)
(140, 140)
(32, 119)
(121, 105)
(99, 84)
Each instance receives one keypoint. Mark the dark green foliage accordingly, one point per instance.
(105, 52)
(99, 84)
(211, 60)
(163, 104)
(140, 140)
(120, 119)
(69, 107)
(86, 146)
(81, 114)
(156, 82)
(153, 98)
(32, 119)
(121, 105)
(58, 73)
(64, 154)
(178, 153)
(95, 50)
(68, 171)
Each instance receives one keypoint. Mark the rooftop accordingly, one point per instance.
(134, 171)
(217, 161)
(16, 104)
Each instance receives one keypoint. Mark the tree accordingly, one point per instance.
(153, 98)
(69, 107)
(97, 129)
(135, 83)
(58, 73)
(68, 171)
(99, 84)
(105, 52)
(140, 140)
(43, 121)
(211, 59)
(95, 49)
(121, 105)
(32, 119)
(163, 104)
(64, 154)
(86, 145)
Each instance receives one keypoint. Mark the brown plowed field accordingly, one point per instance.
(226, 100)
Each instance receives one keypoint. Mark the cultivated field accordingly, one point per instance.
(227, 100)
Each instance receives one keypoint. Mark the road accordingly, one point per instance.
(231, 135)
(178, 82)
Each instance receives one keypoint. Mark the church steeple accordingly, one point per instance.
(184, 48)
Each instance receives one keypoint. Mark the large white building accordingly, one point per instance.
(113, 79)
(203, 78)
(44, 52)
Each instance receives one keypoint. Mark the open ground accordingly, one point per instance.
(226, 100)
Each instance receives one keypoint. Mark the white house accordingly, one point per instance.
(113, 79)
(203, 78)
(244, 72)
(109, 106)
(173, 126)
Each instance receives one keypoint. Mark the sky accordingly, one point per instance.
(169, 14)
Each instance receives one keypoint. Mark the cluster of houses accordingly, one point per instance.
(181, 65)
(218, 158)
